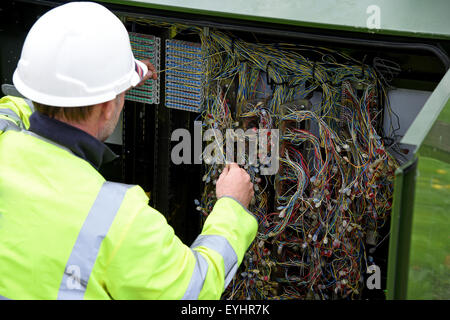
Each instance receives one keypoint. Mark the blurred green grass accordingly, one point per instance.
(429, 275)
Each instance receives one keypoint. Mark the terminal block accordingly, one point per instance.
(185, 77)
(146, 47)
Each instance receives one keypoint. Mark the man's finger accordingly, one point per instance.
(151, 70)
(148, 75)
(225, 170)
(232, 166)
(150, 65)
(219, 179)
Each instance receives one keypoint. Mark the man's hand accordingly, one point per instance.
(151, 73)
(235, 182)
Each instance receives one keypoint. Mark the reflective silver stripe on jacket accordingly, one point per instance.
(6, 125)
(223, 247)
(11, 114)
(198, 277)
(10, 90)
(3, 298)
(30, 104)
(95, 227)
(220, 245)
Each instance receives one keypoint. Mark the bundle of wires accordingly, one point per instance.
(334, 186)
(333, 191)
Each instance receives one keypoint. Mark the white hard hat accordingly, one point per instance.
(77, 54)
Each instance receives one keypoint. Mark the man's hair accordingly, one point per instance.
(75, 114)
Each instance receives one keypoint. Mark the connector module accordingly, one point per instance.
(185, 78)
(146, 47)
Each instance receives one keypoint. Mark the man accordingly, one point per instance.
(65, 232)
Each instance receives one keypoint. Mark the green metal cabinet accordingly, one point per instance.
(419, 242)
(416, 18)
(419, 251)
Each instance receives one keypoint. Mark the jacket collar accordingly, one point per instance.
(79, 142)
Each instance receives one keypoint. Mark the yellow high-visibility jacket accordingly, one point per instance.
(66, 233)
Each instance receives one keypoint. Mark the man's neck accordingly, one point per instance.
(86, 126)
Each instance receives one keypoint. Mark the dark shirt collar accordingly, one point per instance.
(79, 142)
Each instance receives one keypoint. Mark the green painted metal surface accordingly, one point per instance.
(418, 18)
(394, 234)
(400, 234)
(419, 247)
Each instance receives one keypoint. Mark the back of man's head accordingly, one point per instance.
(75, 57)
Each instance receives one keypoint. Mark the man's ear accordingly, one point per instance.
(108, 109)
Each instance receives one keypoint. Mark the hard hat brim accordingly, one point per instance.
(137, 75)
